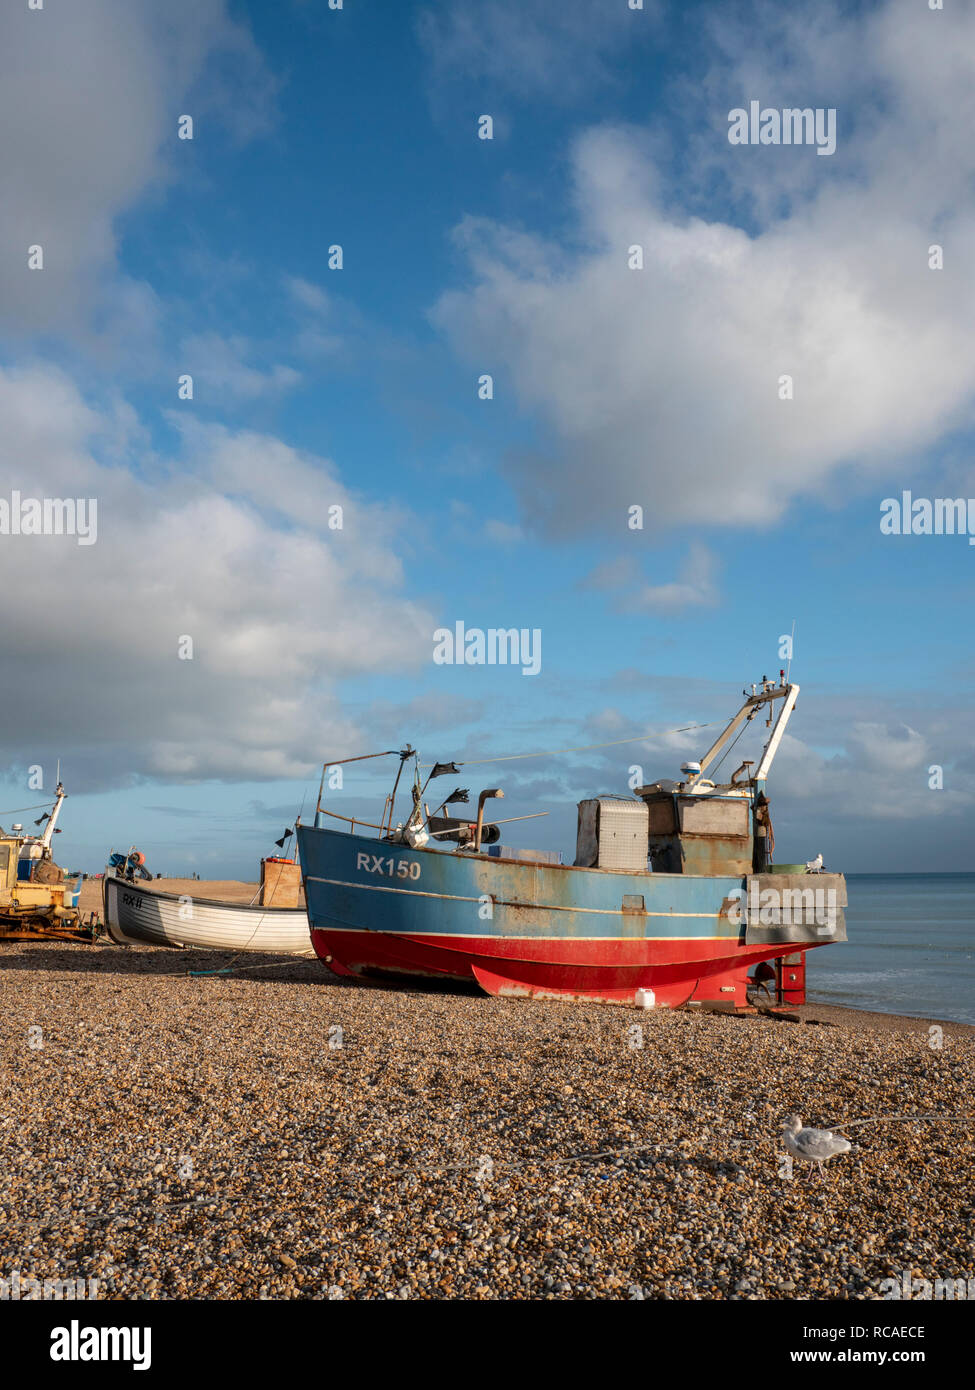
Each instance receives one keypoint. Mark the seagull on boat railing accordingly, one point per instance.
(812, 1145)
(815, 866)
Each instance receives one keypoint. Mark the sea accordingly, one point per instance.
(910, 948)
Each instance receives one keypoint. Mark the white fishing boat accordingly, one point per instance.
(136, 914)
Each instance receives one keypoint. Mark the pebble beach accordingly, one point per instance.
(274, 1132)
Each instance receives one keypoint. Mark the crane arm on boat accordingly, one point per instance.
(768, 695)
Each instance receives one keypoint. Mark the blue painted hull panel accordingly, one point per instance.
(518, 927)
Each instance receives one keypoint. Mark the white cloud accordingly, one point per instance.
(880, 774)
(851, 776)
(693, 586)
(530, 47)
(219, 365)
(503, 532)
(660, 386)
(93, 89)
(230, 546)
(328, 325)
(887, 747)
(308, 296)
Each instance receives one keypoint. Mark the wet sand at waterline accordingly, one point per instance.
(178, 1135)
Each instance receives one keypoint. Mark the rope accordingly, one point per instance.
(731, 745)
(260, 922)
(17, 809)
(583, 747)
(263, 965)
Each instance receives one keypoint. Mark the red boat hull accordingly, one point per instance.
(702, 970)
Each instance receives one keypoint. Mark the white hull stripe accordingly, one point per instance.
(532, 907)
(437, 940)
(212, 927)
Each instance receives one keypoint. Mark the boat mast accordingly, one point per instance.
(789, 696)
(48, 835)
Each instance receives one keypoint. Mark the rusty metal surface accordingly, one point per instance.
(718, 855)
(22, 928)
(612, 834)
(835, 883)
(699, 833)
(794, 908)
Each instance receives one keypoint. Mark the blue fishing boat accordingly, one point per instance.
(671, 900)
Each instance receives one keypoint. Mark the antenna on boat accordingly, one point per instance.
(792, 643)
(404, 755)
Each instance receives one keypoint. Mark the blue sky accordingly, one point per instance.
(612, 387)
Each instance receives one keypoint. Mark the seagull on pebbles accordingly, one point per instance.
(812, 1145)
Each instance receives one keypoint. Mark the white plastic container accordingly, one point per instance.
(645, 999)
